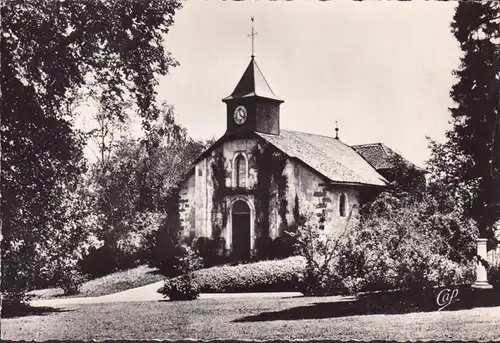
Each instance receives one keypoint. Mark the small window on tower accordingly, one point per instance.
(342, 205)
(200, 172)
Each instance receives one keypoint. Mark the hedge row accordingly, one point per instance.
(263, 276)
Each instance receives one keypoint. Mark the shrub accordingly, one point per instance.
(445, 272)
(321, 249)
(282, 247)
(168, 240)
(70, 281)
(135, 246)
(458, 235)
(212, 250)
(99, 261)
(494, 275)
(398, 246)
(175, 260)
(272, 275)
(187, 261)
(183, 287)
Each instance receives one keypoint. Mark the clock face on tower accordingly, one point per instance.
(240, 115)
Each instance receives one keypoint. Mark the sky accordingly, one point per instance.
(383, 70)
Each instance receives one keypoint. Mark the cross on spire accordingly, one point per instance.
(253, 34)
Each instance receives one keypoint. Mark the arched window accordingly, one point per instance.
(342, 205)
(241, 175)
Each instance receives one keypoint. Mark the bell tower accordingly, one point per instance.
(253, 106)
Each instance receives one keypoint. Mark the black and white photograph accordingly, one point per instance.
(250, 170)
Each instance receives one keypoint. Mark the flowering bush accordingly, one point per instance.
(273, 275)
(324, 273)
(319, 250)
(398, 246)
(444, 272)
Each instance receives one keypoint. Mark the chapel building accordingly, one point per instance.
(256, 180)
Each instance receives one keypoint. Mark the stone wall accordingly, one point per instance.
(186, 206)
(315, 195)
(197, 211)
(240, 147)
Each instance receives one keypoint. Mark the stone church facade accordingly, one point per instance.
(255, 181)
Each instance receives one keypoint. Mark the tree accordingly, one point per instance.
(406, 179)
(51, 53)
(105, 135)
(467, 165)
(137, 184)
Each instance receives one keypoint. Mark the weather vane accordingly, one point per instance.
(253, 34)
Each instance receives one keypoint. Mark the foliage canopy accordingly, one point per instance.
(54, 53)
(467, 165)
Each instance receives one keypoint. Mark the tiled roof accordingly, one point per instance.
(327, 155)
(252, 84)
(377, 154)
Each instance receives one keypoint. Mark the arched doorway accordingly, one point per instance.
(241, 230)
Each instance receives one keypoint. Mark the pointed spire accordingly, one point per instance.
(253, 84)
(336, 130)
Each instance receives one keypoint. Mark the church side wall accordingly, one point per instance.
(331, 202)
(186, 206)
(199, 197)
(316, 197)
(195, 201)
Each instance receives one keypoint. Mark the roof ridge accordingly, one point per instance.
(329, 157)
(263, 77)
(367, 144)
(385, 149)
(315, 134)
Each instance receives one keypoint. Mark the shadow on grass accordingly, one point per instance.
(27, 310)
(383, 303)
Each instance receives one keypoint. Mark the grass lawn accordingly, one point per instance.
(112, 283)
(253, 318)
